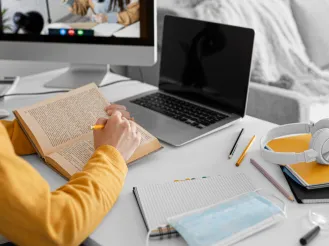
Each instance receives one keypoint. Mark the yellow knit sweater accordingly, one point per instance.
(31, 214)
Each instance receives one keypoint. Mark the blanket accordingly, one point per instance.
(279, 58)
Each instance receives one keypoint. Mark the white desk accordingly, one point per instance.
(131, 31)
(205, 157)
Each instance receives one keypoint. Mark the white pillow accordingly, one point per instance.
(312, 18)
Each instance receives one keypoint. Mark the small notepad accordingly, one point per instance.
(158, 202)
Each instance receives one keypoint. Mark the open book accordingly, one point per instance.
(59, 129)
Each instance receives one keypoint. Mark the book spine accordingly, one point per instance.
(28, 137)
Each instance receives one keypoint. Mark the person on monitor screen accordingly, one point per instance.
(124, 12)
(32, 214)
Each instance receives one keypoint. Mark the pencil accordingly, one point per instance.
(245, 151)
(235, 144)
(272, 180)
(96, 127)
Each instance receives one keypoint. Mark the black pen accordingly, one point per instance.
(308, 237)
(235, 144)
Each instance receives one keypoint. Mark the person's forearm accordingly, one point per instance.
(20, 142)
(130, 15)
(32, 215)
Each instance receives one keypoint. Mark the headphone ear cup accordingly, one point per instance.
(321, 124)
(318, 140)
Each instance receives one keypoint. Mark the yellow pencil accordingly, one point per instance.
(96, 127)
(245, 151)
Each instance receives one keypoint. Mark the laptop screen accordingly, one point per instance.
(207, 62)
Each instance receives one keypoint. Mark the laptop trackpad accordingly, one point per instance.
(164, 128)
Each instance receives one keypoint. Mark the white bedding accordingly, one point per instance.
(278, 50)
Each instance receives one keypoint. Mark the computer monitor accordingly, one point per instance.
(88, 34)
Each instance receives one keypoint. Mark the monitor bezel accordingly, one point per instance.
(147, 9)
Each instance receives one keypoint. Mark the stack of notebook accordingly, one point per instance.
(309, 182)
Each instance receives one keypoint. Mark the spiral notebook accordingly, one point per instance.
(158, 202)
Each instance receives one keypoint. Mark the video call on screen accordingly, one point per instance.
(103, 18)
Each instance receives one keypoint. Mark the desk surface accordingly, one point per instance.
(131, 31)
(205, 157)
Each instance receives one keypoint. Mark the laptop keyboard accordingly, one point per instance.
(180, 110)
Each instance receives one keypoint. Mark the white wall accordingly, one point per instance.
(57, 9)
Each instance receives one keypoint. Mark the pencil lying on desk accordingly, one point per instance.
(245, 151)
(235, 144)
(272, 180)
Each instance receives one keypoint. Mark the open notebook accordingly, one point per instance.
(158, 202)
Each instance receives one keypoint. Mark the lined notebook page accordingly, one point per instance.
(161, 201)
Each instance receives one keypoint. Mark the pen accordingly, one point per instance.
(96, 127)
(235, 144)
(308, 237)
(245, 151)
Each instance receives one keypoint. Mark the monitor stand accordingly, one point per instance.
(78, 75)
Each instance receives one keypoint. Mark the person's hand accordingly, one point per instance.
(110, 109)
(118, 132)
(100, 18)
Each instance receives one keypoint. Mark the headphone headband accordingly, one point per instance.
(290, 129)
(287, 158)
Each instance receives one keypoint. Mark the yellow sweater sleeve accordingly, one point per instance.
(130, 15)
(22, 145)
(33, 215)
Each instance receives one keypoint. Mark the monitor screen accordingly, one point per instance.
(112, 22)
(207, 62)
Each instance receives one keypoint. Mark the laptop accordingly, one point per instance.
(203, 82)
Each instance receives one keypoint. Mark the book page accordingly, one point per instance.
(62, 120)
(146, 136)
(73, 157)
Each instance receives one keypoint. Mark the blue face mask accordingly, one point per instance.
(228, 222)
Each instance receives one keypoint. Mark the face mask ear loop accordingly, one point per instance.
(265, 193)
(147, 238)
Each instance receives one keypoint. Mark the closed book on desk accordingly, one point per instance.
(311, 175)
(158, 202)
(304, 195)
(59, 129)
